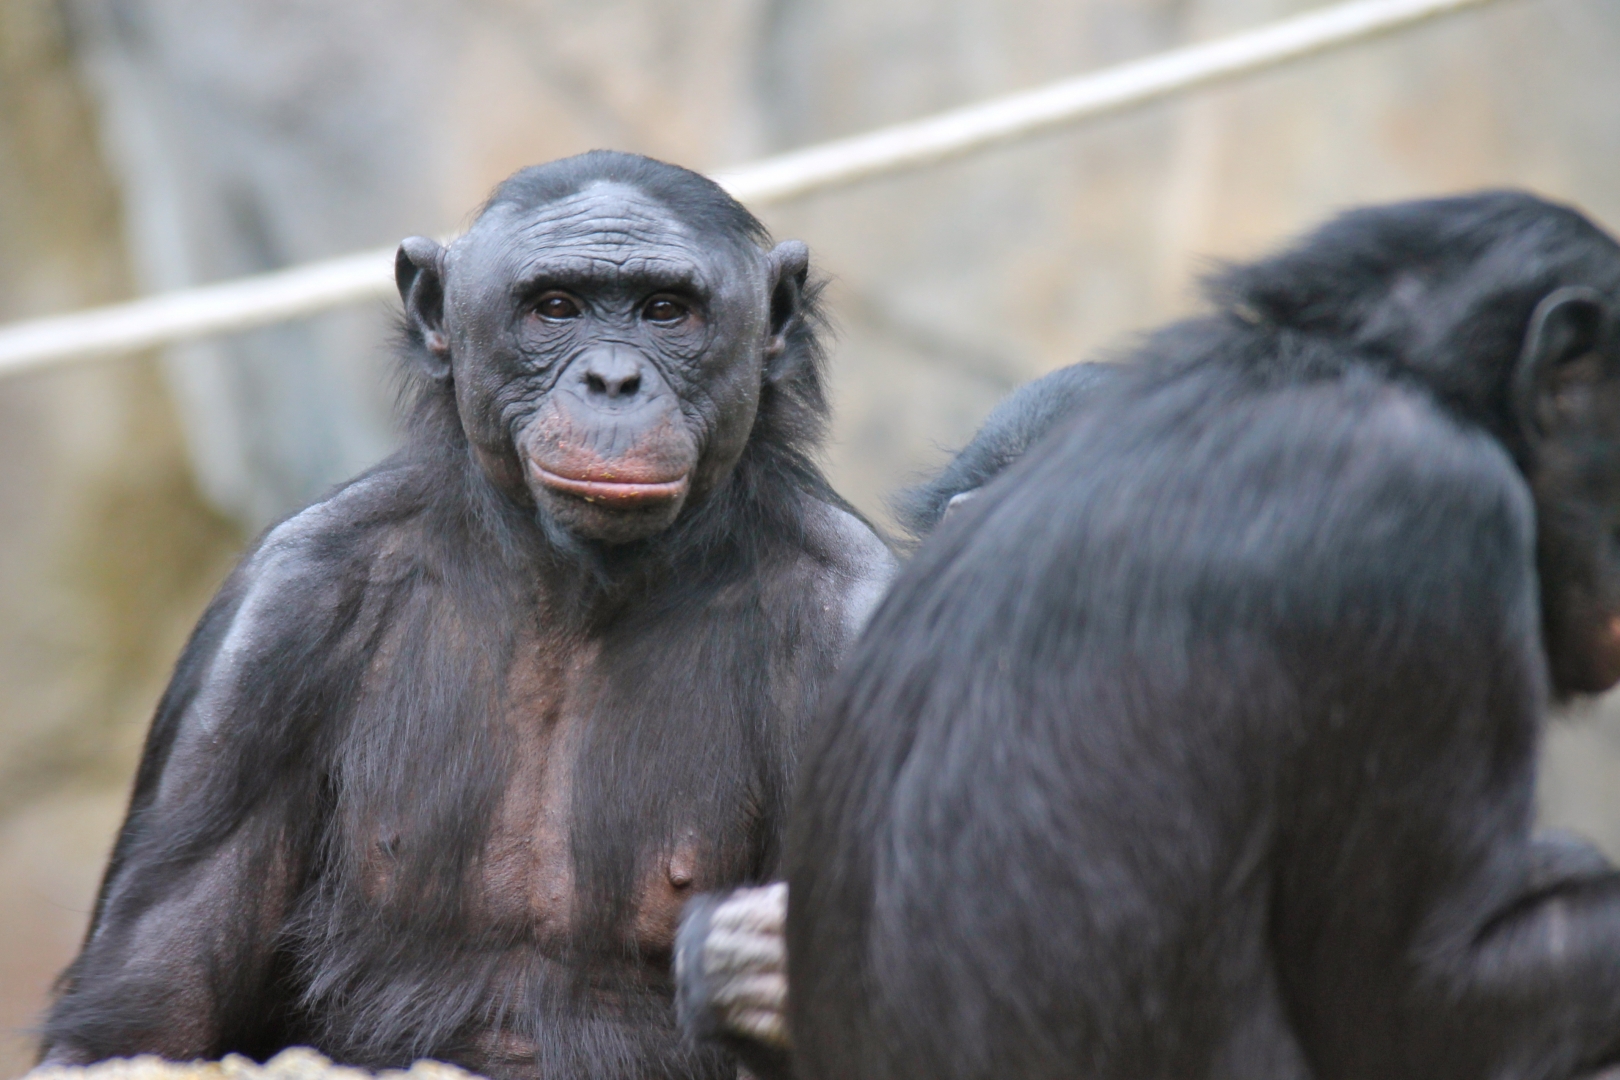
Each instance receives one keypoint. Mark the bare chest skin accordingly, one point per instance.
(527, 878)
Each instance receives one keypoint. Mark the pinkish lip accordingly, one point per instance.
(618, 494)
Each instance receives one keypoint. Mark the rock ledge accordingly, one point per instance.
(294, 1063)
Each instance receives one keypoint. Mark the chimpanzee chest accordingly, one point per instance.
(659, 838)
(528, 876)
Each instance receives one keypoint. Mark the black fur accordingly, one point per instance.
(316, 850)
(707, 1000)
(1203, 742)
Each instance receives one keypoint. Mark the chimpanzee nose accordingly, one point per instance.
(613, 373)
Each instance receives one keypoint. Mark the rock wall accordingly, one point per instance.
(106, 550)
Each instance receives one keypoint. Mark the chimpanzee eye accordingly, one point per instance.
(664, 309)
(556, 305)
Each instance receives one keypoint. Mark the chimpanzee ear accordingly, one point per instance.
(1565, 347)
(419, 273)
(789, 269)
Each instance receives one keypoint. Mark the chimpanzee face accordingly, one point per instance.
(607, 356)
(1567, 395)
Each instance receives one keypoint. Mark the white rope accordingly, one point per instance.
(193, 313)
(963, 131)
(304, 290)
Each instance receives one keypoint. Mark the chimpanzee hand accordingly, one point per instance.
(731, 975)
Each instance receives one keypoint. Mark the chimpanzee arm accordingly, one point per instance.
(1441, 937)
(181, 920)
(1519, 967)
(183, 970)
(180, 955)
(1544, 977)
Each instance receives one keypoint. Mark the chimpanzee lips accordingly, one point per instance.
(604, 489)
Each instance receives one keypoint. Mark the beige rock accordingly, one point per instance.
(294, 1063)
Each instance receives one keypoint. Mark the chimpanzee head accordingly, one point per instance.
(1507, 307)
(1566, 398)
(607, 325)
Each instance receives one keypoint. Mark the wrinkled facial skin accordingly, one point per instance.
(1568, 394)
(607, 358)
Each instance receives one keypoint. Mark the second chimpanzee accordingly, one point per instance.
(1202, 743)
(449, 750)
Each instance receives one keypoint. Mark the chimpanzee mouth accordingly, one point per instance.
(612, 494)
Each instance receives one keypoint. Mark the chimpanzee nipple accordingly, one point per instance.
(681, 870)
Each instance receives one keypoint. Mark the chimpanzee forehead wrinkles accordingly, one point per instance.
(671, 270)
(607, 235)
(606, 214)
(603, 232)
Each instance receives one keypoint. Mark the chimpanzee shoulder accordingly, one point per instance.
(299, 613)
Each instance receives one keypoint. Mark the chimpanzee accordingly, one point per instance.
(1202, 742)
(445, 756)
(730, 957)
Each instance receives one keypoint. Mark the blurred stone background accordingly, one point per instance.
(150, 144)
